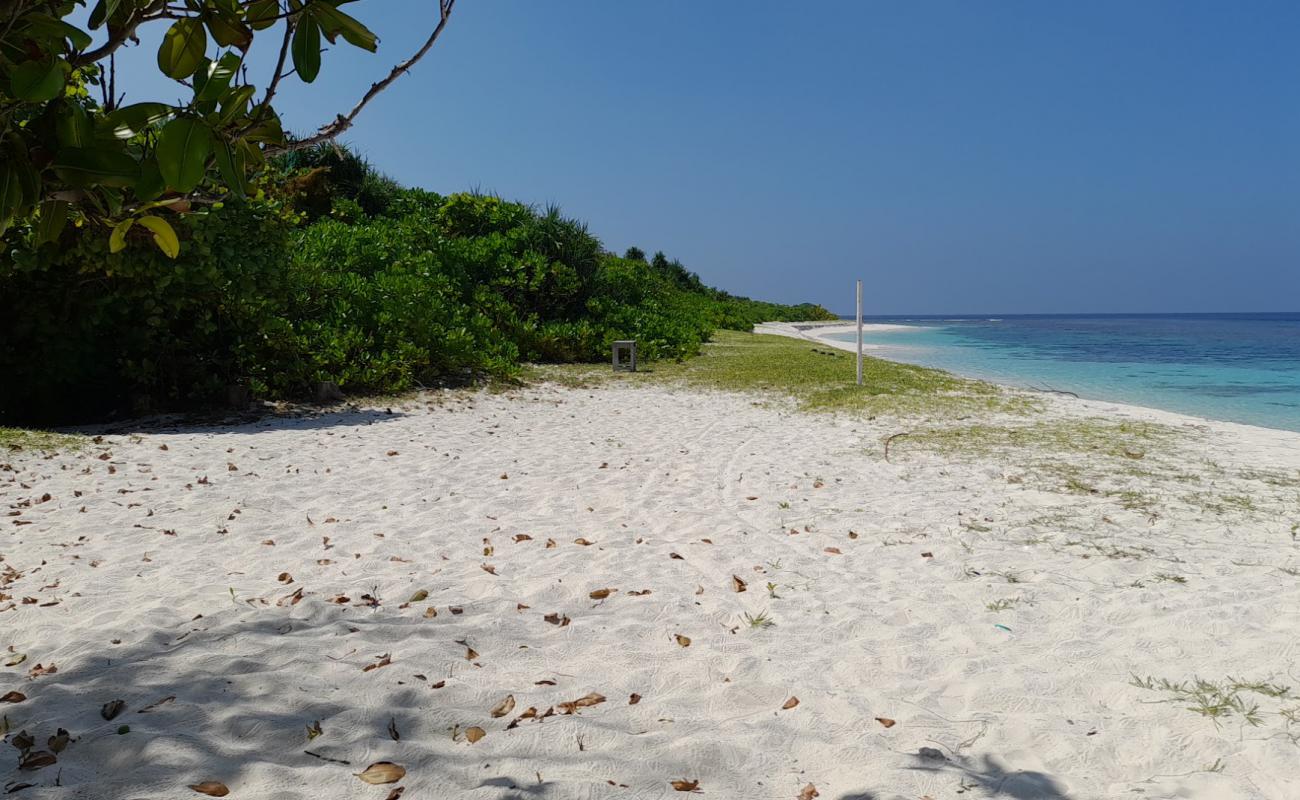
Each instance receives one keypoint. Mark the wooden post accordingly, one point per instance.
(859, 333)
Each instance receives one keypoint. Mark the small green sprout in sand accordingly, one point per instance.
(760, 621)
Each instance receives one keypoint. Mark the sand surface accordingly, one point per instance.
(236, 585)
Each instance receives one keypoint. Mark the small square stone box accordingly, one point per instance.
(625, 355)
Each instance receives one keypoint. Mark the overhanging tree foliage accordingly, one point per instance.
(69, 155)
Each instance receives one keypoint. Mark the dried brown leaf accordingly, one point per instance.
(583, 542)
(791, 703)
(474, 734)
(808, 793)
(383, 661)
(633, 699)
(418, 596)
(585, 701)
(382, 772)
(601, 594)
(470, 653)
(12, 697)
(738, 584)
(522, 537)
(504, 707)
(111, 709)
(684, 641)
(886, 721)
(686, 786)
(36, 760)
(211, 788)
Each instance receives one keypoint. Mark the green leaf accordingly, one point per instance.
(54, 216)
(183, 150)
(128, 121)
(231, 163)
(220, 73)
(86, 166)
(72, 126)
(262, 14)
(11, 194)
(335, 22)
(151, 184)
(103, 12)
(117, 239)
(229, 32)
(182, 48)
(38, 81)
(235, 103)
(51, 27)
(306, 48)
(163, 235)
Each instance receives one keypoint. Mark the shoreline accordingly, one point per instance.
(816, 332)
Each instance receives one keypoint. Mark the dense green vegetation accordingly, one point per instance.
(331, 272)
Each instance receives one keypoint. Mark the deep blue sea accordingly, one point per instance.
(1235, 367)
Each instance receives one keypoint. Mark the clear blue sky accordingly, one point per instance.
(979, 157)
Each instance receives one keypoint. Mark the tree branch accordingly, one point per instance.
(343, 122)
(154, 11)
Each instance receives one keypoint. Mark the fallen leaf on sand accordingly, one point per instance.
(641, 593)
(474, 734)
(393, 733)
(737, 584)
(15, 659)
(36, 760)
(522, 537)
(470, 653)
(504, 707)
(556, 619)
(583, 542)
(418, 596)
(634, 699)
(111, 709)
(853, 534)
(585, 701)
(23, 740)
(169, 698)
(284, 577)
(59, 741)
(927, 554)
(396, 793)
(886, 721)
(40, 669)
(676, 556)
(12, 697)
(684, 641)
(488, 568)
(601, 594)
(550, 543)
(791, 703)
(835, 551)
(430, 612)
(211, 788)
(382, 772)
(686, 786)
(455, 610)
(383, 661)
(808, 793)
(314, 730)
(392, 452)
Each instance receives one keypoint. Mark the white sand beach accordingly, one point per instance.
(281, 603)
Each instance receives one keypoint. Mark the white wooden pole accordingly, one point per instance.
(859, 333)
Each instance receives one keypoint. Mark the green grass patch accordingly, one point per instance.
(817, 378)
(24, 439)
(1092, 436)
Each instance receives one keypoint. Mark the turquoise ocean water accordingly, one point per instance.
(1234, 367)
